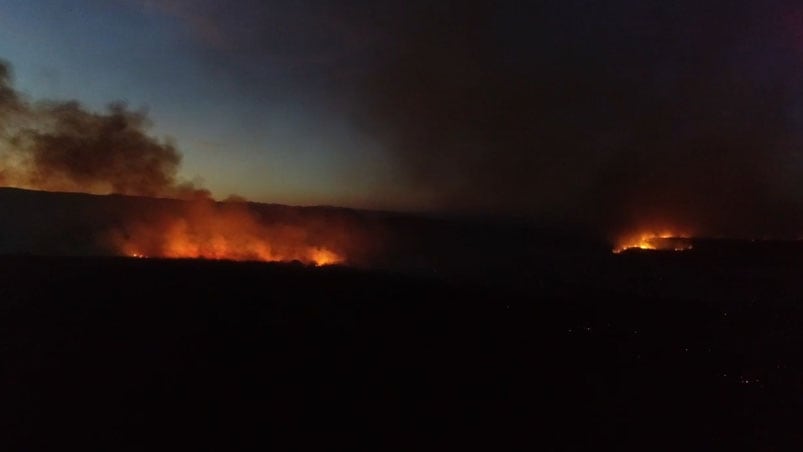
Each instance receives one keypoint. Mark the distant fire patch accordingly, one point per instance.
(655, 243)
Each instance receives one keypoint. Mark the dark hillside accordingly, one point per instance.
(649, 351)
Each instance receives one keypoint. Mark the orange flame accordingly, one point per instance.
(228, 231)
(665, 241)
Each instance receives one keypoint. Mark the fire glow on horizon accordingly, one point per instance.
(318, 257)
(663, 241)
(225, 231)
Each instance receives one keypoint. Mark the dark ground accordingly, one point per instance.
(641, 351)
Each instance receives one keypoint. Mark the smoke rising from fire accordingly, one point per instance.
(61, 146)
(615, 115)
(620, 116)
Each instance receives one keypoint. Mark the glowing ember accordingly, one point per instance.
(666, 241)
(204, 230)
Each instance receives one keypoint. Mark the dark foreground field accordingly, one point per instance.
(633, 352)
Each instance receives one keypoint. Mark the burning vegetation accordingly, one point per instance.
(665, 241)
(204, 229)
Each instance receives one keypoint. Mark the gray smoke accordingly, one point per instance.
(62, 146)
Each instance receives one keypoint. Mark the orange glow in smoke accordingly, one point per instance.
(205, 230)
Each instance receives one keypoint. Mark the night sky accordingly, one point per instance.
(686, 114)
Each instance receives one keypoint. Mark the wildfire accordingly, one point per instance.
(665, 241)
(318, 257)
(205, 230)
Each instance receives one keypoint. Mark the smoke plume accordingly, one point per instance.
(61, 146)
(614, 115)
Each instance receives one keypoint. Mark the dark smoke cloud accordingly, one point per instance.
(613, 115)
(62, 146)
